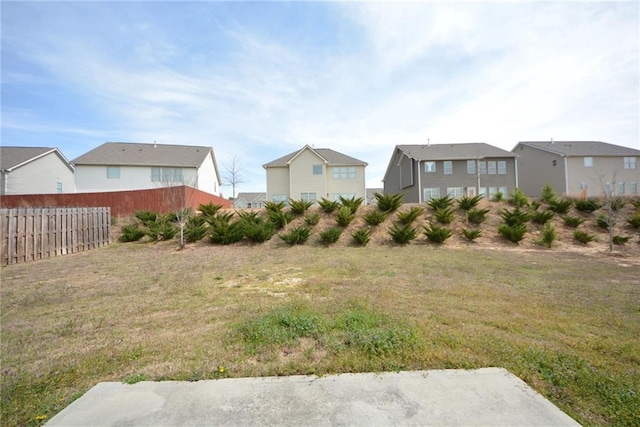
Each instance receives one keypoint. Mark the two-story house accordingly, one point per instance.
(578, 168)
(423, 172)
(120, 166)
(34, 170)
(313, 173)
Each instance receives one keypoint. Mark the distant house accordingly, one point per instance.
(34, 170)
(314, 173)
(371, 198)
(249, 200)
(118, 166)
(577, 168)
(423, 172)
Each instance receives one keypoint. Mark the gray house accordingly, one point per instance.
(577, 168)
(34, 170)
(423, 172)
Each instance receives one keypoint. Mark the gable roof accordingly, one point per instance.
(580, 148)
(250, 197)
(328, 155)
(136, 154)
(14, 157)
(464, 151)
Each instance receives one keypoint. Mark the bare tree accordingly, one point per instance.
(178, 193)
(233, 175)
(609, 191)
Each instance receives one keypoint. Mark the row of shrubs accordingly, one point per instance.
(224, 228)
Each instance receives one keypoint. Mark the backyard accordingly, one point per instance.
(565, 322)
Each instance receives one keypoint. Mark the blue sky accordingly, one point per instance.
(257, 80)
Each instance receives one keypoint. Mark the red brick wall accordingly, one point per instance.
(122, 203)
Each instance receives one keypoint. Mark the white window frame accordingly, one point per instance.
(455, 192)
(483, 192)
(59, 187)
(630, 163)
(431, 193)
(621, 188)
(113, 172)
(482, 167)
(447, 167)
(344, 172)
(633, 187)
(502, 167)
(430, 167)
(588, 162)
(336, 196)
(309, 197)
(471, 167)
(491, 167)
(317, 169)
(277, 198)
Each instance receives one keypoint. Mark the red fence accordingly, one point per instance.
(122, 203)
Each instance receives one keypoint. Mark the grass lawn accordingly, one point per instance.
(567, 324)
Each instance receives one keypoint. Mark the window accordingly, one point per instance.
(336, 196)
(431, 193)
(621, 188)
(166, 175)
(455, 192)
(633, 187)
(554, 162)
(277, 198)
(344, 172)
(582, 186)
(502, 167)
(503, 190)
(607, 189)
(58, 187)
(429, 166)
(491, 166)
(317, 169)
(483, 192)
(308, 197)
(471, 167)
(113, 172)
(448, 167)
(588, 162)
(629, 162)
(483, 168)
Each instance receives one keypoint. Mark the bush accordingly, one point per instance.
(330, 235)
(518, 198)
(259, 230)
(548, 194)
(352, 203)
(389, 202)
(560, 206)
(411, 215)
(146, 217)
(224, 232)
(603, 221)
(280, 218)
(209, 209)
(403, 234)
(328, 206)
(249, 216)
(444, 215)
(542, 217)
(548, 235)
(437, 234)
(195, 229)
(274, 206)
(296, 236)
(465, 203)
(514, 233)
(161, 229)
(621, 240)
(572, 221)
(477, 216)
(344, 216)
(588, 205)
(440, 202)
(514, 217)
(131, 233)
(312, 219)
(497, 197)
(618, 204)
(361, 236)
(298, 207)
(636, 203)
(374, 217)
(583, 237)
(471, 234)
(634, 220)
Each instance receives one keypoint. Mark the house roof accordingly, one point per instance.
(330, 156)
(250, 197)
(472, 150)
(14, 157)
(136, 154)
(581, 148)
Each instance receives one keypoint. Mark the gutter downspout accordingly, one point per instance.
(6, 182)
(516, 170)
(566, 177)
(419, 183)
(478, 175)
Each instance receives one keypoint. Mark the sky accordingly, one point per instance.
(258, 80)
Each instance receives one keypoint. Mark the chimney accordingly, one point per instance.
(154, 144)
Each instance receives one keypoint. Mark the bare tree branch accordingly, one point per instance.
(233, 175)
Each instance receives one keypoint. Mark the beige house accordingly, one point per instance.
(313, 173)
(577, 168)
(249, 200)
(34, 170)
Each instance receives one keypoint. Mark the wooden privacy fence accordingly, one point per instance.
(35, 233)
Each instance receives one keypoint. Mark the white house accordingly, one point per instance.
(34, 170)
(120, 166)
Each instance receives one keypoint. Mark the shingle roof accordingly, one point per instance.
(136, 154)
(252, 196)
(472, 150)
(332, 157)
(581, 148)
(10, 157)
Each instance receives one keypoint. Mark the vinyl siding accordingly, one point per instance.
(346, 186)
(94, 178)
(208, 178)
(604, 170)
(536, 169)
(302, 178)
(277, 182)
(39, 177)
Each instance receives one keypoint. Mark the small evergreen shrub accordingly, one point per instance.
(518, 198)
(514, 233)
(471, 234)
(634, 220)
(514, 217)
(374, 217)
(572, 221)
(534, 205)
(542, 217)
(588, 205)
(403, 234)
(224, 232)
(344, 216)
(131, 233)
(477, 216)
(361, 236)
(330, 235)
(444, 215)
(583, 236)
(274, 206)
(437, 234)
(296, 236)
(258, 231)
(560, 206)
(249, 216)
(618, 204)
(497, 197)
(146, 217)
(548, 194)
(389, 202)
(548, 236)
(298, 207)
(312, 219)
(440, 202)
(465, 203)
(411, 215)
(280, 218)
(209, 209)
(636, 203)
(195, 229)
(328, 206)
(352, 203)
(621, 240)
(603, 221)
(161, 229)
